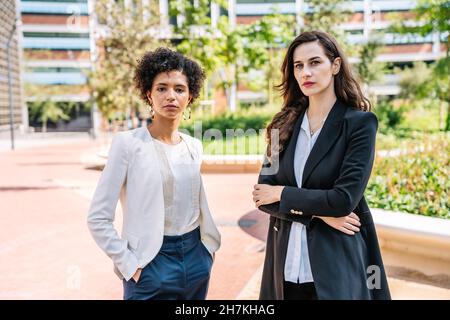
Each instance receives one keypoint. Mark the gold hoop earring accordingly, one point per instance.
(190, 112)
(152, 112)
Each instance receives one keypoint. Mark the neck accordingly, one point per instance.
(165, 130)
(320, 104)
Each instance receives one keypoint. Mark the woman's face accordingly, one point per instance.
(313, 70)
(169, 94)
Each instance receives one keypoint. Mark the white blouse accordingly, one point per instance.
(181, 201)
(297, 267)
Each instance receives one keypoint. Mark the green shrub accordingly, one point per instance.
(389, 116)
(254, 118)
(416, 182)
(249, 145)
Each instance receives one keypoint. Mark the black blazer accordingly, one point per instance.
(334, 178)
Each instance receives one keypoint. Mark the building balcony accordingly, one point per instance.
(56, 43)
(261, 7)
(50, 78)
(75, 8)
(391, 38)
(55, 28)
(78, 64)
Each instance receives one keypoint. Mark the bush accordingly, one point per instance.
(416, 182)
(254, 118)
(389, 116)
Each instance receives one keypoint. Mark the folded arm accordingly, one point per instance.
(348, 189)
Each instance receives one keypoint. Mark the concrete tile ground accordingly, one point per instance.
(48, 253)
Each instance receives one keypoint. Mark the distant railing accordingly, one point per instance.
(68, 8)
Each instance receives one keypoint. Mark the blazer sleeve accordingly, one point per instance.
(349, 187)
(274, 208)
(103, 208)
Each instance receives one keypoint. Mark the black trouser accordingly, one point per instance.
(299, 291)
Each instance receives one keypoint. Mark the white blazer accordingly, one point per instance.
(132, 174)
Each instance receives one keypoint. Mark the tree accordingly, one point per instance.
(265, 41)
(421, 85)
(47, 110)
(216, 47)
(367, 68)
(432, 17)
(130, 29)
(415, 82)
(327, 15)
(43, 108)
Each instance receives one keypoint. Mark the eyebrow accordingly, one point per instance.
(317, 57)
(165, 84)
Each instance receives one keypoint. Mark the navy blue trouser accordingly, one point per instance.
(180, 271)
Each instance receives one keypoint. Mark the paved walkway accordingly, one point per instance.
(46, 247)
(48, 253)
(30, 140)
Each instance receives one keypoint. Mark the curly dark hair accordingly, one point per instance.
(166, 60)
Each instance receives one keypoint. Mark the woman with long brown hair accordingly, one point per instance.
(321, 242)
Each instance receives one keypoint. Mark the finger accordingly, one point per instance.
(351, 227)
(353, 222)
(346, 231)
(353, 215)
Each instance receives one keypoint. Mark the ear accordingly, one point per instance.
(336, 65)
(149, 97)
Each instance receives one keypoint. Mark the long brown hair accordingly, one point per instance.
(346, 87)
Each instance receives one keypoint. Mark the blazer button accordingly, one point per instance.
(300, 212)
(292, 211)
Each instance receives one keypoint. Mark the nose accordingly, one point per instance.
(170, 95)
(306, 72)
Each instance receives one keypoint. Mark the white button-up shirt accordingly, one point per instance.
(181, 200)
(297, 268)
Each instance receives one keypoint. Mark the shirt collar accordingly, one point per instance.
(305, 123)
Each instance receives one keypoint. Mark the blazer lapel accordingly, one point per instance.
(326, 138)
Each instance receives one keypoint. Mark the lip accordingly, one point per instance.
(308, 84)
(170, 106)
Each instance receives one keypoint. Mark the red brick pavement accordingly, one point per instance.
(45, 246)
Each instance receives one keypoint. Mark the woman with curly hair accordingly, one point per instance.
(321, 242)
(168, 237)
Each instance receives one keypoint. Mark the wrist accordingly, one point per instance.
(280, 191)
